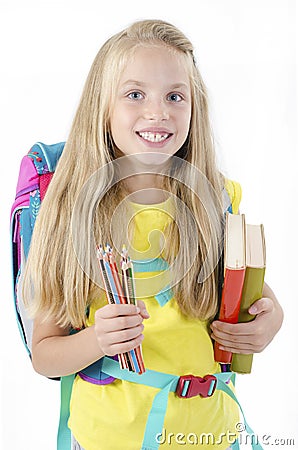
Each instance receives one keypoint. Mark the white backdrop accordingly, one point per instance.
(247, 55)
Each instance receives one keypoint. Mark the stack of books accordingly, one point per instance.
(244, 271)
(120, 289)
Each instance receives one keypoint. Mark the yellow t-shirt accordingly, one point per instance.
(113, 416)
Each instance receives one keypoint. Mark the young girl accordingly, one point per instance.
(139, 169)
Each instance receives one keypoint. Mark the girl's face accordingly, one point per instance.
(152, 107)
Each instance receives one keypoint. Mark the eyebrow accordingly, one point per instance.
(178, 85)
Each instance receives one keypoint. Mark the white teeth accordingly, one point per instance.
(153, 137)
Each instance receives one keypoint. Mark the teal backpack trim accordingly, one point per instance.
(166, 383)
(164, 296)
(64, 434)
(150, 265)
(46, 157)
(155, 265)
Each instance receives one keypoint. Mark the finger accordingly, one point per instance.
(242, 350)
(221, 329)
(241, 347)
(122, 347)
(119, 337)
(118, 323)
(110, 311)
(143, 310)
(249, 344)
(233, 342)
(265, 304)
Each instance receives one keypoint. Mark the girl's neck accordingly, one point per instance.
(146, 189)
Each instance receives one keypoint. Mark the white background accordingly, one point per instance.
(247, 54)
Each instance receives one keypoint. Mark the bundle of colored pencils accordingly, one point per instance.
(120, 292)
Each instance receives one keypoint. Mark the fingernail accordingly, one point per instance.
(253, 310)
(138, 310)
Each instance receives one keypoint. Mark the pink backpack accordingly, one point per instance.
(36, 171)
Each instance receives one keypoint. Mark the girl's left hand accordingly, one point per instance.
(254, 336)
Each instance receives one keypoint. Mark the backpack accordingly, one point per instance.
(36, 171)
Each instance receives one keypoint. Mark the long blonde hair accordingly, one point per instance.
(55, 283)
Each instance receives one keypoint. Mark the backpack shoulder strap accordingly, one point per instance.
(45, 157)
(234, 191)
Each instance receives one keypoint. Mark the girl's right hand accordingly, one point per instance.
(119, 327)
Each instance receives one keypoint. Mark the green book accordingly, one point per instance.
(252, 288)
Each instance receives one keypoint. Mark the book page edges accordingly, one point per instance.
(235, 249)
(255, 246)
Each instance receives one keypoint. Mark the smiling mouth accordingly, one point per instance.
(154, 137)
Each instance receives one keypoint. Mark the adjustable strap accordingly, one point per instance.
(167, 383)
(64, 434)
(155, 265)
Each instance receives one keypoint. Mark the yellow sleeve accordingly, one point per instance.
(235, 193)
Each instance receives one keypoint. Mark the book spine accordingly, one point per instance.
(252, 291)
(230, 306)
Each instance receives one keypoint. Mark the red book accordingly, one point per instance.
(234, 273)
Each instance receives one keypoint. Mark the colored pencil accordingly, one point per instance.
(109, 294)
(120, 293)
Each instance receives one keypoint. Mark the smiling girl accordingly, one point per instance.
(144, 103)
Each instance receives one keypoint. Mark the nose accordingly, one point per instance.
(156, 111)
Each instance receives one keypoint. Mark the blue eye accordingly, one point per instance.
(174, 97)
(135, 95)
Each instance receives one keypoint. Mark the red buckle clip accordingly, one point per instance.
(190, 386)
